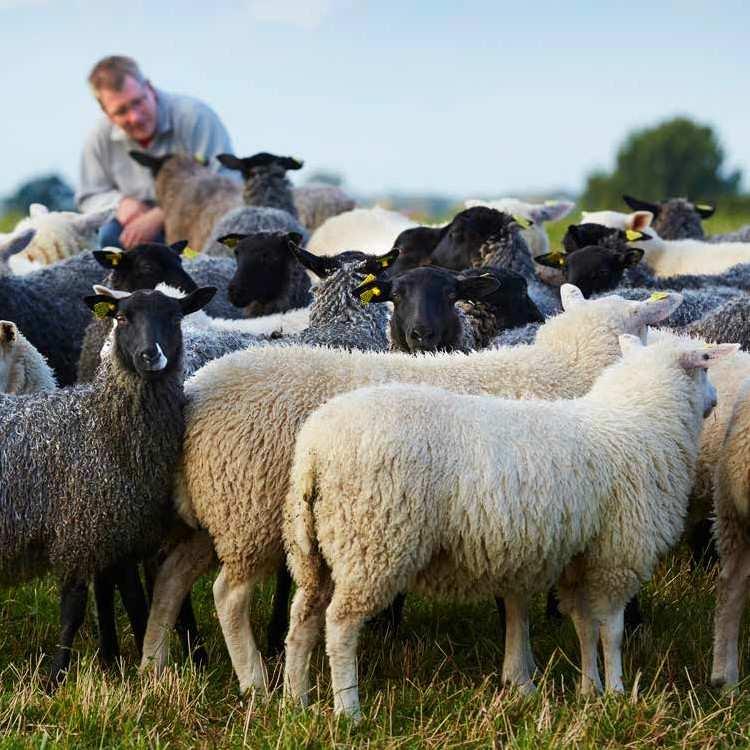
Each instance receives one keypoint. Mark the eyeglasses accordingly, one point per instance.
(135, 103)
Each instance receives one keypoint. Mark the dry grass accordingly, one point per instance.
(435, 686)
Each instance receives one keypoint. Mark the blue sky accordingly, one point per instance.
(474, 98)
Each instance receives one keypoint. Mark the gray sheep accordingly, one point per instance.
(86, 482)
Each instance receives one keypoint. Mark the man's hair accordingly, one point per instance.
(110, 73)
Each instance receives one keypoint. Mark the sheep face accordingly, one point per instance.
(424, 315)
(263, 265)
(148, 336)
(675, 219)
(146, 266)
(592, 269)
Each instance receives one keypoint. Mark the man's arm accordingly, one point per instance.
(96, 189)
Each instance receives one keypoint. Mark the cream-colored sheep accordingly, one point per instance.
(370, 230)
(402, 487)
(22, 368)
(56, 235)
(244, 411)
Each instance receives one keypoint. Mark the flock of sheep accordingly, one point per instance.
(456, 410)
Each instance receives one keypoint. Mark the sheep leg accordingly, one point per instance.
(133, 599)
(190, 637)
(588, 640)
(306, 620)
(517, 648)
(104, 593)
(279, 623)
(731, 594)
(73, 595)
(184, 565)
(342, 634)
(232, 606)
(611, 631)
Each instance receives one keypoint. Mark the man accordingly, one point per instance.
(140, 117)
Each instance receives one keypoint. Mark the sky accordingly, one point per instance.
(463, 99)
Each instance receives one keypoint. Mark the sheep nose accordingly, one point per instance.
(153, 358)
(422, 333)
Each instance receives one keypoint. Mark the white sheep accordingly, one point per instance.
(476, 496)
(22, 368)
(261, 397)
(56, 235)
(371, 230)
(535, 235)
(672, 257)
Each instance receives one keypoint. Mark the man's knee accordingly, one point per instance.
(109, 234)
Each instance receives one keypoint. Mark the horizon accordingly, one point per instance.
(392, 99)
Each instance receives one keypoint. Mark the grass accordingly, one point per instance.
(435, 686)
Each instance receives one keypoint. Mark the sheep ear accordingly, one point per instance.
(639, 220)
(154, 163)
(628, 343)
(555, 259)
(658, 307)
(373, 290)
(387, 260)
(552, 211)
(232, 240)
(15, 244)
(8, 332)
(37, 209)
(179, 247)
(705, 210)
(230, 161)
(197, 299)
(289, 162)
(111, 257)
(639, 205)
(477, 287)
(707, 356)
(631, 258)
(570, 296)
(102, 305)
(86, 223)
(114, 293)
(321, 265)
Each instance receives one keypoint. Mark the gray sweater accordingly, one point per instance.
(183, 126)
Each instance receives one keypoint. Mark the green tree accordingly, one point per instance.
(678, 157)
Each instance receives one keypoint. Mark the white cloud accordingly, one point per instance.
(306, 14)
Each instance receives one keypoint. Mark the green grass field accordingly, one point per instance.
(435, 685)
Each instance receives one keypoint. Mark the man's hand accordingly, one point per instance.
(129, 209)
(143, 228)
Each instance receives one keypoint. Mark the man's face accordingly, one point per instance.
(133, 109)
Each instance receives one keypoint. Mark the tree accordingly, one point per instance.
(678, 157)
(51, 190)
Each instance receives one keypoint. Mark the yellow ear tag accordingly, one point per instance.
(102, 309)
(558, 257)
(370, 277)
(200, 159)
(657, 296)
(631, 235)
(231, 242)
(522, 221)
(366, 297)
(188, 253)
(703, 207)
(114, 258)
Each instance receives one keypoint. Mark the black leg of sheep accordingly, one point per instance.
(104, 594)
(73, 595)
(279, 623)
(128, 583)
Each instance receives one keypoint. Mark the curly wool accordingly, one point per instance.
(316, 203)
(640, 275)
(728, 323)
(22, 368)
(738, 235)
(268, 186)
(46, 305)
(86, 483)
(218, 272)
(678, 220)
